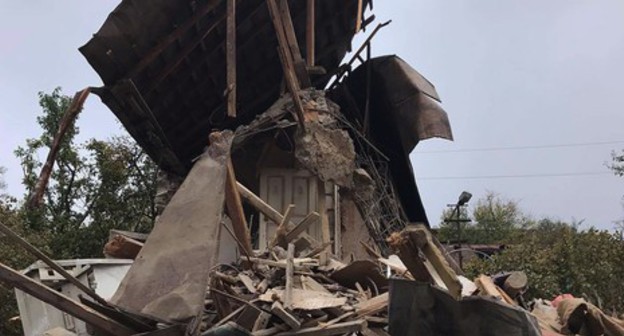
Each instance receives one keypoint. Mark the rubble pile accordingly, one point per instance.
(276, 295)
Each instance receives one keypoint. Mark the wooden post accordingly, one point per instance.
(62, 302)
(235, 210)
(325, 233)
(435, 267)
(311, 218)
(358, 19)
(286, 58)
(68, 118)
(230, 51)
(293, 45)
(290, 269)
(310, 32)
(259, 204)
(282, 228)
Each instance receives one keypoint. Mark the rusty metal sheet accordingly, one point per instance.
(169, 277)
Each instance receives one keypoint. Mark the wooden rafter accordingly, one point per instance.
(230, 51)
(188, 48)
(287, 60)
(66, 121)
(310, 32)
(151, 55)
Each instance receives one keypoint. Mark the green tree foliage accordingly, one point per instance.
(559, 258)
(94, 187)
(494, 221)
(13, 256)
(618, 163)
(2, 181)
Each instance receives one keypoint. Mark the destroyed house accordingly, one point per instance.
(285, 185)
(175, 71)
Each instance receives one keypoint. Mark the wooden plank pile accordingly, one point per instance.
(288, 293)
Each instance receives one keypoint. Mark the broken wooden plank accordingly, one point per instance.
(14, 237)
(297, 262)
(66, 121)
(487, 287)
(318, 250)
(435, 256)
(259, 204)
(262, 286)
(358, 19)
(373, 306)
(142, 237)
(290, 268)
(410, 257)
(282, 228)
(52, 297)
(166, 270)
(230, 52)
(122, 247)
(246, 280)
(396, 265)
(293, 45)
(287, 317)
(305, 299)
(261, 322)
(235, 211)
(309, 283)
(305, 223)
(417, 238)
(287, 61)
(336, 329)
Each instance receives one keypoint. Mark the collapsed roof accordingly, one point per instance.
(164, 73)
(164, 67)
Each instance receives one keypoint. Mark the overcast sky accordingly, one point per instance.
(523, 73)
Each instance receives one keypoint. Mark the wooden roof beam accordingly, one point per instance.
(172, 37)
(172, 65)
(287, 60)
(230, 57)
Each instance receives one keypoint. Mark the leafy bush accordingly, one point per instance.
(561, 259)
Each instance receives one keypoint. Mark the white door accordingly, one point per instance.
(282, 187)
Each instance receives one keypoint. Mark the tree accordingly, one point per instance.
(94, 187)
(618, 163)
(618, 169)
(559, 258)
(494, 221)
(2, 182)
(17, 258)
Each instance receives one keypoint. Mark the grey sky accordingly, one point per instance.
(510, 73)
